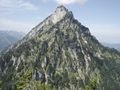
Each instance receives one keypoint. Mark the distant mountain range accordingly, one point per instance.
(9, 37)
(116, 46)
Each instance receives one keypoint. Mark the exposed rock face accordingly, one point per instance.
(60, 54)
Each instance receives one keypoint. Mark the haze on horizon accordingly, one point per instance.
(100, 16)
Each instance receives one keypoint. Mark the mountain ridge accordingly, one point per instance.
(60, 55)
(111, 45)
(9, 37)
(59, 13)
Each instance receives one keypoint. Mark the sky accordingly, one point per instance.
(102, 17)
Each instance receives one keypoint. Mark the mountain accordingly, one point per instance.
(60, 54)
(115, 46)
(9, 37)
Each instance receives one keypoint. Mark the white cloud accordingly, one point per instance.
(27, 5)
(16, 4)
(6, 24)
(71, 1)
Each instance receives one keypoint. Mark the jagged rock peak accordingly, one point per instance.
(57, 16)
(61, 8)
(60, 13)
(60, 56)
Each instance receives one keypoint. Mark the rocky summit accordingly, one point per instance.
(59, 54)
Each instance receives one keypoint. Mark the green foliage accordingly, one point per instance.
(24, 80)
(57, 79)
(0, 85)
(20, 85)
(72, 77)
(37, 86)
(43, 86)
(92, 85)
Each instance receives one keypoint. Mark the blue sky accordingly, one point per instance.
(102, 17)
